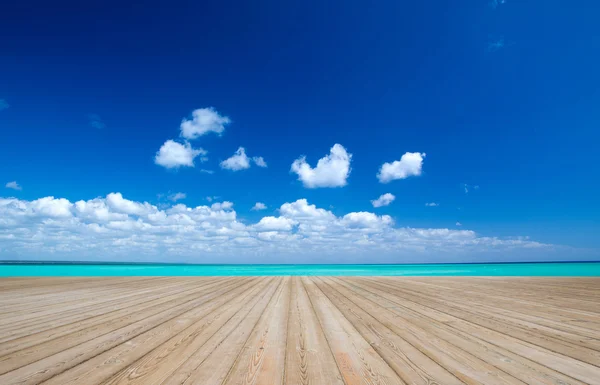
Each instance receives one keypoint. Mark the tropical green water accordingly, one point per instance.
(578, 269)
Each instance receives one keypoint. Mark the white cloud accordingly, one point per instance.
(331, 171)
(119, 204)
(240, 161)
(14, 185)
(259, 206)
(259, 161)
(204, 120)
(366, 220)
(431, 204)
(301, 209)
(174, 154)
(383, 200)
(51, 207)
(222, 206)
(176, 196)
(458, 224)
(410, 164)
(275, 224)
(116, 228)
(207, 171)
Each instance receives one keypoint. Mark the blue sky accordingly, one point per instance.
(502, 97)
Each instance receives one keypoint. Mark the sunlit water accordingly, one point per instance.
(493, 269)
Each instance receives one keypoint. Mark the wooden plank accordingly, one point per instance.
(309, 359)
(83, 313)
(471, 314)
(300, 330)
(415, 356)
(437, 326)
(213, 366)
(357, 361)
(262, 360)
(561, 363)
(59, 342)
(108, 349)
(159, 364)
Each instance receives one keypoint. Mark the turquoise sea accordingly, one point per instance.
(573, 269)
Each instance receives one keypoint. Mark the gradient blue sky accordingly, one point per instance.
(500, 95)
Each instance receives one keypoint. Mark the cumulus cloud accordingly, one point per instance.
(240, 161)
(275, 224)
(458, 224)
(410, 164)
(176, 196)
(173, 154)
(431, 204)
(3, 104)
(365, 220)
(222, 206)
(259, 206)
(14, 185)
(117, 228)
(204, 120)
(383, 200)
(331, 171)
(259, 161)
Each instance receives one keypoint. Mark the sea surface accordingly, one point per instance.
(564, 269)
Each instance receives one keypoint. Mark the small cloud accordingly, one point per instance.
(177, 196)
(259, 161)
(259, 206)
(458, 224)
(495, 45)
(173, 154)
(222, 206)
(204, 120)
(410, 164)
(207, 171)
(3, 104)
(96, 121)
(383, 200)
(14, 185)
(431, 204)
(240, 161)
(468, 188)
(331, 171)
(212, 198)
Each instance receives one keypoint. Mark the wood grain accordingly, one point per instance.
(300, 330)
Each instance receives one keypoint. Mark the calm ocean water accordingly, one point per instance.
(492, 269)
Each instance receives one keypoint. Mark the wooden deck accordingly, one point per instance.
(299, 330)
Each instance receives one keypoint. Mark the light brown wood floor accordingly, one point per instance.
(299, 330)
